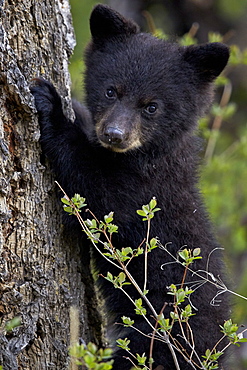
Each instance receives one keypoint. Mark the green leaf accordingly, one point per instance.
(153, 244)
(127, 321)
(174, 316)
(92, 347)
(126, 251)
(140, 212)
(140, 310)
(109, 276)
(65, 201)
(112, 228)
(12, 324)
(164, 323)
(184, 254)
(141, 359)
(122, 277)
(243, 340)
(187, 40)
(215, 37)
(153, 203)
(68, 209)
(109, 218)
(221, 81)
(196, 252)
(123, 343)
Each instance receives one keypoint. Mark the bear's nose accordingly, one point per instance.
(113, 135)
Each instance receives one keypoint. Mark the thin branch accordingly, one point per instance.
(153, 334)
(218, 122)
(146, 258)
(217, 283)
(144, 316)
(86, 229)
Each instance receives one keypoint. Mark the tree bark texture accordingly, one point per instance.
(41, 274)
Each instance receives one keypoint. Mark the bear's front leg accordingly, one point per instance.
(61, 140)
(49, 106)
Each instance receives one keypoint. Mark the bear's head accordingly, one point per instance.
(144, 91)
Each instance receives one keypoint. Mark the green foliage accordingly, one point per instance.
(226, 175)
(223, 180)
(230, 330)
(232, 9)
(215, 37)
(106, 226)
(117, 281)
(123, 343)
(125, 254)
(189, 256)
(148, 210)
(152, 244)
(237, 56)
(187, 40)
(186, 313)
(180, 294)
(141, 359)
(224, 186)
(211, 359)
(225, 112)
(80, 13)
(140, 310)
(74, 205)
(160, 34)
(127, 321)
(164, 324)
(12, 324)
(92, 357)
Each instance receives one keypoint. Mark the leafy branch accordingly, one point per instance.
(181, 313)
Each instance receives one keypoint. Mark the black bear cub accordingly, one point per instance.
(135, 141)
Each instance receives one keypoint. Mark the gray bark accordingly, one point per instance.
(40, 270)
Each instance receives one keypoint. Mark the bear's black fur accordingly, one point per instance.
(145, 96)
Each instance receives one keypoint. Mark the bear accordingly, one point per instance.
(135, 139)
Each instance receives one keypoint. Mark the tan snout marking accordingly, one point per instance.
(133, 141)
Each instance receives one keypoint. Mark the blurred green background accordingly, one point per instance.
(224, 171)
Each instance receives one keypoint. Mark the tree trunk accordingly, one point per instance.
(41, 275)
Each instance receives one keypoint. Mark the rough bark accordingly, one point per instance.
(41, 275)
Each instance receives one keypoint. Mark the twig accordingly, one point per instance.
(153, 334)
(204, 280)
(217, 122)
(86, 229)
(165, 336)
(146, 259)
(150, 21)
(74, 332)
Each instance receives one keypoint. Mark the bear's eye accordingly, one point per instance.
(151, 108)
(110, 93)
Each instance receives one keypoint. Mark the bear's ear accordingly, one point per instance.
(106, 23)
(208, 60)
